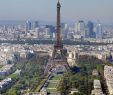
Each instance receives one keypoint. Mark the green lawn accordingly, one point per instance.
(57, 77)
(52, 90)
(52, 85)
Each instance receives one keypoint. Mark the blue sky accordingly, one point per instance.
(72, 10)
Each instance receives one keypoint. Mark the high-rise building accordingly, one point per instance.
(64, 29)
(99, 31)
(90, 32)
(80, 28)
(5, 28)
(28, 26)
(47, 33)
(51, 30)
(35, 24)
(37, 30)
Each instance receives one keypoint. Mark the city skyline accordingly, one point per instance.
(46, 10)
(56, 59)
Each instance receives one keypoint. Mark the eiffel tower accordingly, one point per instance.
(58, 62)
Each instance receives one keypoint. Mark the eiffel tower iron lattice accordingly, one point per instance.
(58, 62)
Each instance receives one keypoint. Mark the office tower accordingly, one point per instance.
(90, 33)
(80, 28)
(35, 24)
(28, 26)
(99, 31)
(51, 29)
(47, 33)
(62, 25)
(64, 29)
(5, 28)
(37, 30)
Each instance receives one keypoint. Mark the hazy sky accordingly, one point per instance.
(72, 10)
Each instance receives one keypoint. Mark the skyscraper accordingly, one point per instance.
(80, 28)
(99, 31)
(90, 33)
(35, 24)
(51, 30)
(28, 26)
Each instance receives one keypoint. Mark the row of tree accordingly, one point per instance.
(32, 73)
(81, 77)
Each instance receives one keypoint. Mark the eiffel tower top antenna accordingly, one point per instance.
(58, 1)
